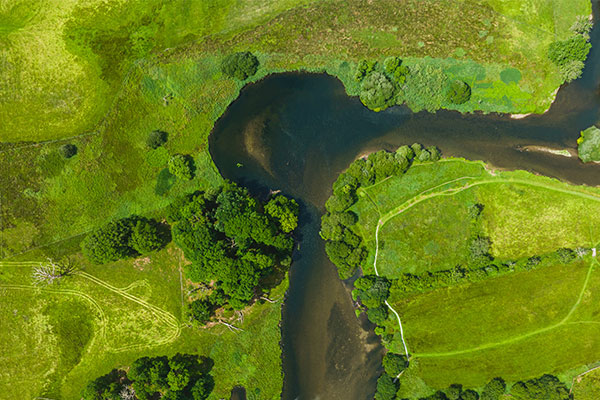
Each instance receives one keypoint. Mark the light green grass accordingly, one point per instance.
(516, 326)
(116, 313)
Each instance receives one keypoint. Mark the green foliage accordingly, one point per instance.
(395, 70)
(569, 55)
(386, 388)
(394, 363)
(363, 68)
(480, 247)
(377, 92)
(372, 290)
(494, 389)
(240, 65)
(459, 92)
(231, 240)
(285, 211)
(424, 89)
(547, 387)
(582, 26)
(67, 150)
(156, 139)
(181, 166)
(588, 145)
(106, 387)
(378, 315)
(123, 238)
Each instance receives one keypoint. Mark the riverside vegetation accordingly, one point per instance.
(468, 274)
(106, 118)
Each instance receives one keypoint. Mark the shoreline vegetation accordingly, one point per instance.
(448, 228)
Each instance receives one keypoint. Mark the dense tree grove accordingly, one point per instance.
(394, 364)
(233, 240)
(547, 387)
(570, 54)
(126, 237)
(494, 389)
(387, 387)
(343, 245)
(240, 65)
(180, 377)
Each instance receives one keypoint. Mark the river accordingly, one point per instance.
(295, 132)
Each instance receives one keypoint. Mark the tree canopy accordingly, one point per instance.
(181, 166)
(240, 65)
(377, 92)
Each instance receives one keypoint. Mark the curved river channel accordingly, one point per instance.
(296, 132)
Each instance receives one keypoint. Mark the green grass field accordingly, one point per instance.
(518, 325)
(59, 337)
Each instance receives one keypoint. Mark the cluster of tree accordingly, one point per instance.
(546, 387)
(67, 150)
(344, 246)
(381, 87)
(181, 166)
(570, 54)
(123, 238)
(233, 240)
(240, 65)
(180, 377)
(373, 291)
(427, 281)
(388, 384)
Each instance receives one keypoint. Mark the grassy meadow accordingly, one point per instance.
(517, 325)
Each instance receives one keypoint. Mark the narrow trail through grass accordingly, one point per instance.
(428, 194)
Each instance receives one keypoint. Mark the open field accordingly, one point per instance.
(104, 317)
(517, 325)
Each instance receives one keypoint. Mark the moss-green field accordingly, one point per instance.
(517, 325)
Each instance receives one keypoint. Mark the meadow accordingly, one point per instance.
(63, 335)
(515, 325)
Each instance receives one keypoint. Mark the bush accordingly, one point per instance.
(588, 145)
(363, 68)
(424, 89)
(459, 92)
(480, 247)
(494, 389)
(394, 363)
(156, 139)
(181, 166)
(377, 92)
(395, 70)
(240, 65)
(67, 150)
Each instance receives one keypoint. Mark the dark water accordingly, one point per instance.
(296, 132)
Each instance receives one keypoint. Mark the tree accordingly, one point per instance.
(285, 211)
(494, 389)
(109, 242)
(200, 311)
(469, 394)
(377, 315)
(106, 387)
(395, 70)
(377, 92)
(50, 272)
(240, 65)
(372, 290)
(67, 150)
(582, 26)
(181, 166)
(156, 139)
(394, 363)
(434, 153)
(588, 145)
(363, 68)
(386, 388)
(459, 92)
(479, 248)
(569, 55)
(547, 387)
(145, 237)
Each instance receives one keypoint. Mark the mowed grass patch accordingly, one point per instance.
(524, 220)
(431, 236)
(465, 317)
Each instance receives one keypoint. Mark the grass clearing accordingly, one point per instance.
(518, 325)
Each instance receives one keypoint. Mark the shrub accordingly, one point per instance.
(395, 70)
(156, 139)
(588, 145)
(394, 363)
(240, 65)
(480, 247)
(459, 92)
(363, 68)
(582, 26)
(494, 389)
(424, 89)
(569, 56)
(181, 166)
(200, 311)
(67, 150)
(377, 315)
(572, 70)
(377, 92)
